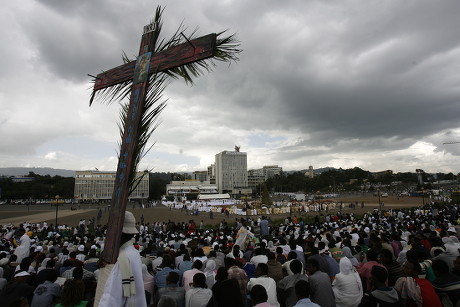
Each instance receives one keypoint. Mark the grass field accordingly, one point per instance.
(41, 213)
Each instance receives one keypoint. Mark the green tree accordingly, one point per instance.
(266, 200)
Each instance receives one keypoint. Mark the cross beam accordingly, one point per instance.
(198, 49)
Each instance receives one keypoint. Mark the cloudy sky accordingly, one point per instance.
(372, 84)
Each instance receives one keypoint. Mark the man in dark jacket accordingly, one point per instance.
(381, 295)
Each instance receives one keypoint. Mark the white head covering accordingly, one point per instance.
(346, 267)
(347, 253)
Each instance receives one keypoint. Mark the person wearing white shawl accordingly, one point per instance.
(148, 281)
(23, 250)
(209, 273)
(346, 252)
(347, 285)
(402, 254)
(124, 285)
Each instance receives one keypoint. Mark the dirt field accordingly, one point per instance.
(19, 214)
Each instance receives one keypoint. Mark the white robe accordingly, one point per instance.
(113, 290)
(23, 250)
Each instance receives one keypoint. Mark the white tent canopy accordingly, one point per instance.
(213, 196)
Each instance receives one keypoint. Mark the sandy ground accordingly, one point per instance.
(20, 214)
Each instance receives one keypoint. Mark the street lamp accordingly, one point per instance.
(380, 203)
(423, 197)
(57, 206)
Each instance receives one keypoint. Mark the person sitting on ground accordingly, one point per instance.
(187, 278)
(302, 292)
(47, 292)
(275, 269)
(225, 292)
(268, 283)
(446, 284)
(414, 289)
(285, 289)
(72, 295)
(320, 285)
(199, 294)
(381, 294)
(347, 285)
(172, 290)
(163, 271)
(280, 256)
(393, 267)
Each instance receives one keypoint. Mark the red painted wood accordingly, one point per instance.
(179, 55)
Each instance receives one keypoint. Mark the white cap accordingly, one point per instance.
(129, 224)
(81, 248)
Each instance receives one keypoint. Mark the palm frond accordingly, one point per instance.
(226, 50)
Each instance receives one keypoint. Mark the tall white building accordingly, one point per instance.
(231, 171)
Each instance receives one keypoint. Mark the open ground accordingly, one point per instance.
(45, 213)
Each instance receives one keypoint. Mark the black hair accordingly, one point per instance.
(199, 280)
(296, 266)
(379, 273)
(258, 294)
(302, 289)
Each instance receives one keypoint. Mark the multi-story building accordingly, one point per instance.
(231, 172)
(98, 185)
(212, 173)
(200, 175)
(259, 176)
(180, 189)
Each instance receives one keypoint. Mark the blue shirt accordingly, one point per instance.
(160, 276)
(305, 302)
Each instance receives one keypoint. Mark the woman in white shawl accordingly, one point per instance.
(148, 281)
(347, 285)
(23, 250)
(402, 254)
(209, 273)
(346, 252)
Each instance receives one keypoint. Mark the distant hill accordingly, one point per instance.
(42, 171)
(316, 171)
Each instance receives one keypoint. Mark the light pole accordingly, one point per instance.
(57, 206)
(423, 197)
(380, 203)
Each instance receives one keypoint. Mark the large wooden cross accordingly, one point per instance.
(139, 71)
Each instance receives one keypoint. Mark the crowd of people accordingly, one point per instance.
(406, 257)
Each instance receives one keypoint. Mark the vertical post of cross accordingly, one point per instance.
(126, 163)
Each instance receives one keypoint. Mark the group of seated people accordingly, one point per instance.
(408, 259)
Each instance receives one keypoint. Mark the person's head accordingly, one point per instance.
(411, 268)
(186, 257)
(279, 250)
(222, 274)
(379, 276)
(372, 255)
(197, 264)
(262, 269)
(440, 267)
(172, 278)
(72, 293)
(296, 266)
(302, 289)
(50, 264)
(258, 295)
(292, 255)
(77, 273)
(312, 266)
(52, 276)
(166, 261)
(199, 280)
(385, 256)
